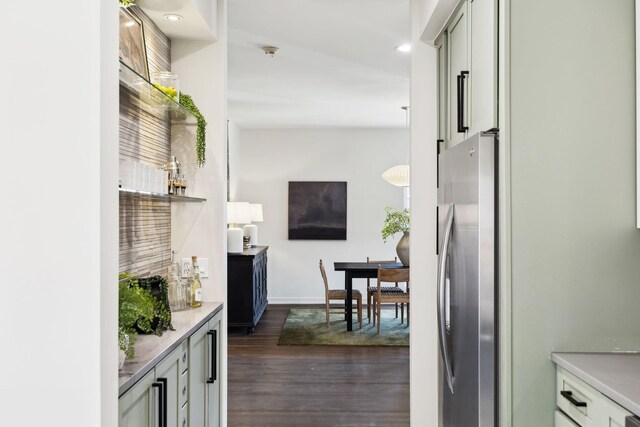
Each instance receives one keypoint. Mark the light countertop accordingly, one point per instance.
(151, 349)
(616, 375)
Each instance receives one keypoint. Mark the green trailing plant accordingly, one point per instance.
(201, 130)
(140, 311)
(126, 3)
(397, 221)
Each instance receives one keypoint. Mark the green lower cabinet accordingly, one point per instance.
(168, 372)
(204, 375)
(184, 387)
(136, 408)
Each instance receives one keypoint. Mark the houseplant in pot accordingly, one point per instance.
(397, 221)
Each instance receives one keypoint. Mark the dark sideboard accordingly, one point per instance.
(247, 287)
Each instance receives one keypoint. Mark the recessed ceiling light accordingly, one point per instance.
(173, 17)
(404, 48)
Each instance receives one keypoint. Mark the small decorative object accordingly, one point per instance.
(133, 51)
(398, 222)
(317, 210)
(246, 240)
(251, 230)
(168, 83)
(201, 131)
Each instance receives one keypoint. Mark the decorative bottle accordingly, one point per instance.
(196, 285)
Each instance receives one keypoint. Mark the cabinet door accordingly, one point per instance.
(168, 371)
(441, 47)
(483, 76)
(139, 406)
(457, 75)
(204, 375)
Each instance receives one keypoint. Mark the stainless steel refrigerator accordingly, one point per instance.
(467, 285)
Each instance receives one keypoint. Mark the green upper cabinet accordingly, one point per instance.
(467, 72)
(457, 75)
(483, 74)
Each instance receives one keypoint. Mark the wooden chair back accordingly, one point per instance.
(326, 282)
(392, 275)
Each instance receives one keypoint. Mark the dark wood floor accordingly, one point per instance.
(315, 386)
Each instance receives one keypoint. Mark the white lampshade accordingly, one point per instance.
(238, 213)
(398, 175)
(256, 212)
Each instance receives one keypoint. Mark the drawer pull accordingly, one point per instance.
(569, 396)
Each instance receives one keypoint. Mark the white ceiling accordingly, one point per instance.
(337, 66)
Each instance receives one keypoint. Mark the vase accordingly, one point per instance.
(402, 249)
(121, 359)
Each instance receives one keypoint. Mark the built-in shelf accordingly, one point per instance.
(160, 196)
(153, 100)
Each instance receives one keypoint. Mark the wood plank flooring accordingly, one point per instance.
(313, 386)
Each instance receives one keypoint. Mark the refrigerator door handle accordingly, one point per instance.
(442, 325)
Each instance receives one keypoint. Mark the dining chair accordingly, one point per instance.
(339, 294)
(391, 275)
(373, 289)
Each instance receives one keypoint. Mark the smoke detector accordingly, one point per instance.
(270, 50)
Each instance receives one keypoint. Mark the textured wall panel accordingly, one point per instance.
(145, 226)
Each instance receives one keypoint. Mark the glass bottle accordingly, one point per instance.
(196, 285)
(175, 286)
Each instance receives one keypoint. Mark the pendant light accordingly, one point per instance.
(399, 175)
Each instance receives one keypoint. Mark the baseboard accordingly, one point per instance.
(303, 301)
(295, 300)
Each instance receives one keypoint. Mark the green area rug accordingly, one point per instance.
(307, 326)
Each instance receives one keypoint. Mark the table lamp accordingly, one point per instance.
(237, 213)
(251, 230)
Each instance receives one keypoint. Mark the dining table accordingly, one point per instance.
(358, 270)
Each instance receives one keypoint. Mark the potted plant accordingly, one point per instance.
(397, 221)
(126, 3)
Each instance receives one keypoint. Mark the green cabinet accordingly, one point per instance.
(467, 72)
(138, 406)
(204, 375)
(184, 386)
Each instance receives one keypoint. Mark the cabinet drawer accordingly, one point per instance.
(184, 357)
(561, 420)
(183, 420)
(599, 409)
(572, 392)
(183, 390)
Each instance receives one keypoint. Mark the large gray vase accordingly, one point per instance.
(403, 249)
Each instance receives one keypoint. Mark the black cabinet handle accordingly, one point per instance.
(213, 357)
(569, 396)
(461, 127)
(161, 385)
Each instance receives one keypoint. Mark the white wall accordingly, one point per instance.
(271, 158)
(201, 229)
(425, 355)
(58, 256)
(234, 160)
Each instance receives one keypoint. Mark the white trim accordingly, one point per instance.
(637, 116)
(505, 408)
(438, 19)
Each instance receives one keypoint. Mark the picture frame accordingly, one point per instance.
(317, 210)
(133, 50)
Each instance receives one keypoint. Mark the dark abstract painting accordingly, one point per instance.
(317, 210)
